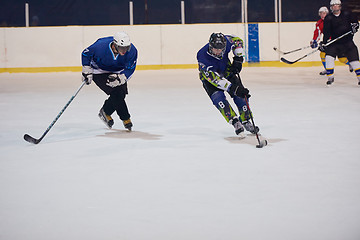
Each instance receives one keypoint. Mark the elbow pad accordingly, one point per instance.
(215, 79)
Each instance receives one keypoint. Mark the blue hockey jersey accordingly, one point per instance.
(102, 59)
(208, 62)
(212, 68)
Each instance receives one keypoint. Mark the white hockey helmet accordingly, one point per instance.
(122, 42)
(335, 2)
(122, 39)
(324, 9)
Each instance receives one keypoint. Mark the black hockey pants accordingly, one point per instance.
(347, 49)
(116, 101)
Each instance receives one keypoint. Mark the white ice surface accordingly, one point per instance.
(182, 174)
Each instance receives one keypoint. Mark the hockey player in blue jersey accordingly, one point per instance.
(219, 75)
(110, 62)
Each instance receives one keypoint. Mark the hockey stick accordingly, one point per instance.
(314, 51)
(33, 140)
(284, 53)
(261, 143)
(292, 62)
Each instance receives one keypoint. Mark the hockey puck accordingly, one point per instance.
(262, 144)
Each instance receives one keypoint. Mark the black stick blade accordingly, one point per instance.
(287, 61)
(30, 139)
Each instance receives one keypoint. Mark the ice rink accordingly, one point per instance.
(182, 174)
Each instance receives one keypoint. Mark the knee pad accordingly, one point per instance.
(218, 97)
(219, 100)
(243, 109)
(240, 103)
(118, 94)
(343, 60)
(322, 56)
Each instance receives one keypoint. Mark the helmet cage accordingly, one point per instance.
(217, 41)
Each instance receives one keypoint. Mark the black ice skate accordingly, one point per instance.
(109, 122)
(250, 127)
(237, 125)
(330, 81)
(128, 124)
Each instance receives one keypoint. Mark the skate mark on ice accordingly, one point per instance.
(115, 133)
(250, 139)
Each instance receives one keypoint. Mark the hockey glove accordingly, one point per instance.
(237, 64)
(313, 44)
(354, 27)
(87, 75)
(322, 47)
(239, 91)
(115, 80)
(233, 79)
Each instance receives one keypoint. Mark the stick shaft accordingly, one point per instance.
(295, 50)
(36, 141)
(252, 119)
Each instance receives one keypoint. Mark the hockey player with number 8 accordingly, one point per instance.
(219, 75)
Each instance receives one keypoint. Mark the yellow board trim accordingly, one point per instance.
(40, 69)
(159, 67)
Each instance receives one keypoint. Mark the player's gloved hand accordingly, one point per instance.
(233, 78)
(117, 79)
(239, 91)
(237, 64)
(322, 46)
(313, 44)
(354, 27)
(87, 74)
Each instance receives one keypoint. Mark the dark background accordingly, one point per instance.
(116, 12)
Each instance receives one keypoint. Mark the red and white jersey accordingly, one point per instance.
(318, 30)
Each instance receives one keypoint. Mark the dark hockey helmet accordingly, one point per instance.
(217, 44)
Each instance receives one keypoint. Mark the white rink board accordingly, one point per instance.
(157, 44)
